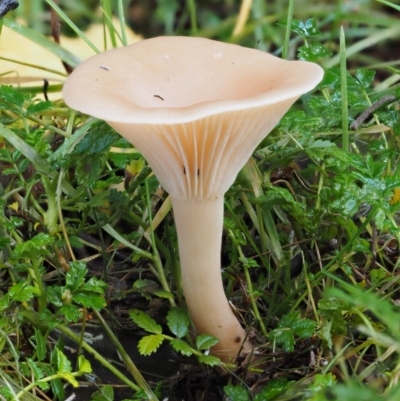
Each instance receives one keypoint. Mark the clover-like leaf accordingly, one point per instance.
(205, 341)
(144, 321)
(178, 322)
(149, 344)
(181, 346)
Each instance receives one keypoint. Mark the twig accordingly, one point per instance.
(371, 109)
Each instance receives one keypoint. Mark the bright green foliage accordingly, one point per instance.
(149, 344)
(105, 393)
(236, 393)
(181, 346)
(269, 392)
(77, 292)
(19, 103)
(144, 321)
(205, 341)
(178, 322)
(273, 388)
(290, 327)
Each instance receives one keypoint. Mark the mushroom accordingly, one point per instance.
(196, 109)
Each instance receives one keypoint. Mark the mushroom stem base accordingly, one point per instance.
(199, 227)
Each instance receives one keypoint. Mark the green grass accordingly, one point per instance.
(311, 235)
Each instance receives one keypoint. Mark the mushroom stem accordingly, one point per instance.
(199, 226)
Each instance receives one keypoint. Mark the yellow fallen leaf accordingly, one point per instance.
(396, 196)
(17, 47)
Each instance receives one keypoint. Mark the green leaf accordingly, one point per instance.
(236, 393)
(11, 99)
(181, 346)
(205, 341)
(71, 312)
(307, 29)
(273, 388)
(23, 292)
(94, 285)
(150, 344)
(144, 321)
(178, 322)
(40, 345)
(84, 365)
(164, 294)
(57, 388)
(209, 360)
(71, 379)
(90, 300)
(75, 277)
(37, 107)
(63, 364)
(292, 325)
(377, 275)
(37, 246)
(313, 52)
(106, 393)
(285, 337)
(99, 138)
(35, 369)
(365, 77)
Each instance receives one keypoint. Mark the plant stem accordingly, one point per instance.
(34, 319)
(343, 78)
(127, 360)
(285, 50)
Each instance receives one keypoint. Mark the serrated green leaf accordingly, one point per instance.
(144, 321)
(181, 346)
(289, 326)
(63, 364)
(205, 341)
(71, 379)
(164, 294)
(75, 277)
(98, 138)
(90, 300)
(23, 291)
(106, 393)
(71, 312)
(236, 393)
(365, 77)
(149, 344)
(145, 284)
(307, 29)
(57, 388)
(35, 369)
(178, 322)
(285, 337)
(313, 52)
(40, 345)
(94, 285)
(38, 107)
(84, 365)
(305, 328)
(273, 389)
(4, 242)
(210, 360)
(37, 246)
(11, 98)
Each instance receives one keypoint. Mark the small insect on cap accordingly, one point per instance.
(195, 108)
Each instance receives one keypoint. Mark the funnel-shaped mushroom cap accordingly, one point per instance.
(195, 108)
